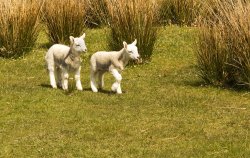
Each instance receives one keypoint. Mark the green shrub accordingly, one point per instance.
(130, 20)
(18, 26)
(224, 44)
(64, 18)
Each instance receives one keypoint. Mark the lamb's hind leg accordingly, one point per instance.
(58, 74)
(78, 80)
(65, 77)
(116, 87)
(93, 81)
(52, 76)
(100, 80)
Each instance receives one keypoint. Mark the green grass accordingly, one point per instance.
(164, 112)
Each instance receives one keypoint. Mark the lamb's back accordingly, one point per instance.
(59, 51)
(102, 60)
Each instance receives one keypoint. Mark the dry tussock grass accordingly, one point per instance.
(133, 19)
(64, 18)
(19, 26)
(181, 12)
(224, 45)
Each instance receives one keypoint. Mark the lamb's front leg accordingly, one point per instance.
(65, 77)
(116, 87)
(78, 79)
(52, 79)
(117, 64)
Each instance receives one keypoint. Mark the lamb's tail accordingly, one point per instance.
(50, 62)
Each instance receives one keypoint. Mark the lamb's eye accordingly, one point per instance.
(130, 52)
(77, 45)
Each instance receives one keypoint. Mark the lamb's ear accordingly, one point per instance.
(83, 36)
(125, 45)
(135, 42)
(71, 39)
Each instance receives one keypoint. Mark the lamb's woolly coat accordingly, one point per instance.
(113, 62)
(106, 61)
(61, 56)
(62, 59)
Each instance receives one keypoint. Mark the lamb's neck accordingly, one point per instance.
(124, 57)
(73, 55)
(73, 60)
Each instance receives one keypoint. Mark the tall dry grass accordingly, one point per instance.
(180, 12)
(97, 13)
(18, 26)
(64, 18)
(130, 20)
(224, 44)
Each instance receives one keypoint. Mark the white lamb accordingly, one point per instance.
(113, 62)
(62, 59)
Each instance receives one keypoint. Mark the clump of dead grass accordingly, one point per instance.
(224, 44)
(19, 26)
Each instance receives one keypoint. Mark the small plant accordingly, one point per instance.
(64, 18)
(181, 12)
(224, 44)
(18, 26)
(133, 19)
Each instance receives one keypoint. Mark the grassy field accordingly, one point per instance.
(165, 111)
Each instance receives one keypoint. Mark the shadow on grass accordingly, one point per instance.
(100, 91)
(194, 81)
(45, 85)
(68, 92)
(107, 92)
(203, 84)
(72, 89)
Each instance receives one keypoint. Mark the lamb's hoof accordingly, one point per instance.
(80, 89)
(94, 90)
(54, 87)
(119, 92)
(114, 87)
(65, 88)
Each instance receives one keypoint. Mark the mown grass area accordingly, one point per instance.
(164, 112)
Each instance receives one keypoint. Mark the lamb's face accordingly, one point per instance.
(133, 51)
(78, 43)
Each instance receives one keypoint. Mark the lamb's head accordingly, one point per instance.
(132, 50)
(78, 43)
